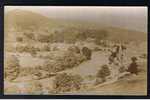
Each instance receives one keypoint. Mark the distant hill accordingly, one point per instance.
(21, 20)
(126, 35)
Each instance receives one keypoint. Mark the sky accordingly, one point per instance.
(134, 18)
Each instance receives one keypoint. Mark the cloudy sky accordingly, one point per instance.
(134, 18)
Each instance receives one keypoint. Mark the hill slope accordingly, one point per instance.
(21, 20)
(126, 35)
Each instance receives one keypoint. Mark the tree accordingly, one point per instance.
(11, 68)
(66, 82)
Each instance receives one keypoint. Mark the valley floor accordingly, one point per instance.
(127, 85)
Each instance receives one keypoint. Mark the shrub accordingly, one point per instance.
(20, 49)
(67, 82)
(38, 72)
(27, 48)
(11, 68)
(80, 58)
(69, 60)
(19, 39)
(61, 62)
(97, 49)
(29, 35)
(25, 71)
(9, 47)
(32, 51)
(53, 66)
(74, 49)
(46, 48)
(103, 73)
(144, 56)
(45, 38)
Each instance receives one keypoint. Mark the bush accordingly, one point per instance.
(69, 60)
(55, 48)
(80, 58)
(97, 49)
(63, 61)
(46, 48)
(67, 82)
(30, 36)
(19, 39)
(59, 64)
(103, 73)
(43, 38)
(25, 71)
(20, 49)
(11, 68)
(27, 48)
(74, 49)
(53, 67)
(144, 56)
(9, 47)
(38, 72)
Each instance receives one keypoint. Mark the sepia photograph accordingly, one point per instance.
(75, 50)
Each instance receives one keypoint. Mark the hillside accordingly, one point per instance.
(126, 35)
(21, 21)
